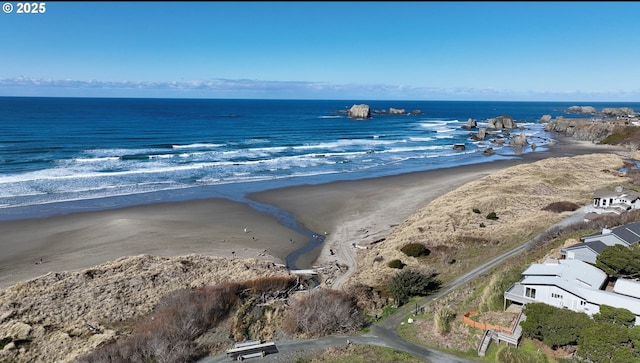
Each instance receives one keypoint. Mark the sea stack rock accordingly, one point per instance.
(360, 111)
(501, 122)
(519, 140)
(397, 111)
(471, 124)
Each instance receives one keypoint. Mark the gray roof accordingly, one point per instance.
(596, 246)
(629, 233)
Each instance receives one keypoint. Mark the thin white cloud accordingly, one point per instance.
(247, 88)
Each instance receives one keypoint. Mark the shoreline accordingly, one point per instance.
(364, 211)
(349, 211)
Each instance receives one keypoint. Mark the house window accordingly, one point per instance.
(583, 303)
(529, 292)
(556, 296)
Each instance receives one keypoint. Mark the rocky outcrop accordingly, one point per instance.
(480, 135)
(501, 122)
(361, 111)
(545, 119)
(471, 124)
(519, 140)
(618, 112)
(585, 110)
(581, 129)
(489, 151)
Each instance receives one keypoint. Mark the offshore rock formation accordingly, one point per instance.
(397, 111)
(519, 140)
(361, 111)
(586, 110)
(545, 118)
(501, 122)
(618, 112)
(471, 124)
(607, 111)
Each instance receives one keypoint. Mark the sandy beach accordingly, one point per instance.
(215, 227)
(347, 212)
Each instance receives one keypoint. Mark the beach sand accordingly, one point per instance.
(214, 227)
(347, 212)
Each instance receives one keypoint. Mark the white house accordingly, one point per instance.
(574, 285)
(616, 201)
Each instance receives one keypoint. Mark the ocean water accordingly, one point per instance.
(67, 154)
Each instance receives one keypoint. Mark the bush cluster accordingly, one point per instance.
(559, 207)
(415, 250)
(396, 264)
(493, 216)
(408, 283)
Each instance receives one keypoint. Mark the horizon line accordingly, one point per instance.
(311, 99)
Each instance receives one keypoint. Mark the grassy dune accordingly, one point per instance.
(452, 231)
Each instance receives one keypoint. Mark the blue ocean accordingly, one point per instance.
(66, 154)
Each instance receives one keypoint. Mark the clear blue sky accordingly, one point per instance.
(563, 51)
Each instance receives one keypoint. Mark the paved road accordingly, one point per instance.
(383, 333)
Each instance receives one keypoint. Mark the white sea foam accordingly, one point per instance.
(421, 139)
(96, 160)
(202, 145)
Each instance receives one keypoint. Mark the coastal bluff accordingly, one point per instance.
(62, 315)
(595, 128)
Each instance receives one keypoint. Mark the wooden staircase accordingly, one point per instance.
(512, 337)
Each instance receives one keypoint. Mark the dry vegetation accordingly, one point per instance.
(460, 239)
(60, 316)
(323, 312)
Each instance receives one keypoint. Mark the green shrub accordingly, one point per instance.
(476, 210)
(482, 225)
(407, 283)
(492, 216)
(396, 264)
(415, 250)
